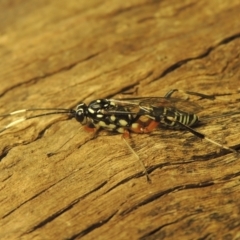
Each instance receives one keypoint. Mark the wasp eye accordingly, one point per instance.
(81, 113)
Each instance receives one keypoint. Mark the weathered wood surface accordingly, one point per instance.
(56, 54)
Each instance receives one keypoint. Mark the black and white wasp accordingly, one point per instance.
(138, 115)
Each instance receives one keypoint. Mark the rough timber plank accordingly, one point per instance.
(56, 54)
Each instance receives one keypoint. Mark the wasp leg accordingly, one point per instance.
(124, 137)
(144, 125)
(202, 136)
(50, 154)
(169, 94)
(89, 129)
(92, 129)
(152, 125)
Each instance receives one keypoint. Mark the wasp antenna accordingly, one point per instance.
(12, 124)
(137, 157)
(169, 94)
(222, 146)
(13, 113)
(71, 113)
(220, 116)
(58, 110)
(202, 136)
(211, 97)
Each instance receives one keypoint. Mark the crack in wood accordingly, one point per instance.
(229, 176)
(154, 231)
(63, 210)
(158, 195)
(36, 79)
(178, 64)
(34, 196)
(8, 148)
(92, 227)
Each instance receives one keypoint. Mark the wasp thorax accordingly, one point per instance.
(99, 104)
(81, 113)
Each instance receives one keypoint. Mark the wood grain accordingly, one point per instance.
(57, 54)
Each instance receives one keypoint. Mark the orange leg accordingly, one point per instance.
(126, 134)
(144, 127)
(150, 127)
(93, 130)
(90, 129)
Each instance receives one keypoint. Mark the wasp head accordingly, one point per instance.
(81, 113)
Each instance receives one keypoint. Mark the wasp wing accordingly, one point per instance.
(137, 105)
(173, 103)
(123, 106)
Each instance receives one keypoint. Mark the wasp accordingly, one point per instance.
(137, 115)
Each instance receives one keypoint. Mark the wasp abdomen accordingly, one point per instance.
(171, 117)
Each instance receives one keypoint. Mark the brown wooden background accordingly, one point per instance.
(58, 53)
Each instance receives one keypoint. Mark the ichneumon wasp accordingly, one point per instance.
(138, 115)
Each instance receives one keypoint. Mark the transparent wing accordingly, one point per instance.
(134, 105)
(174, 103)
